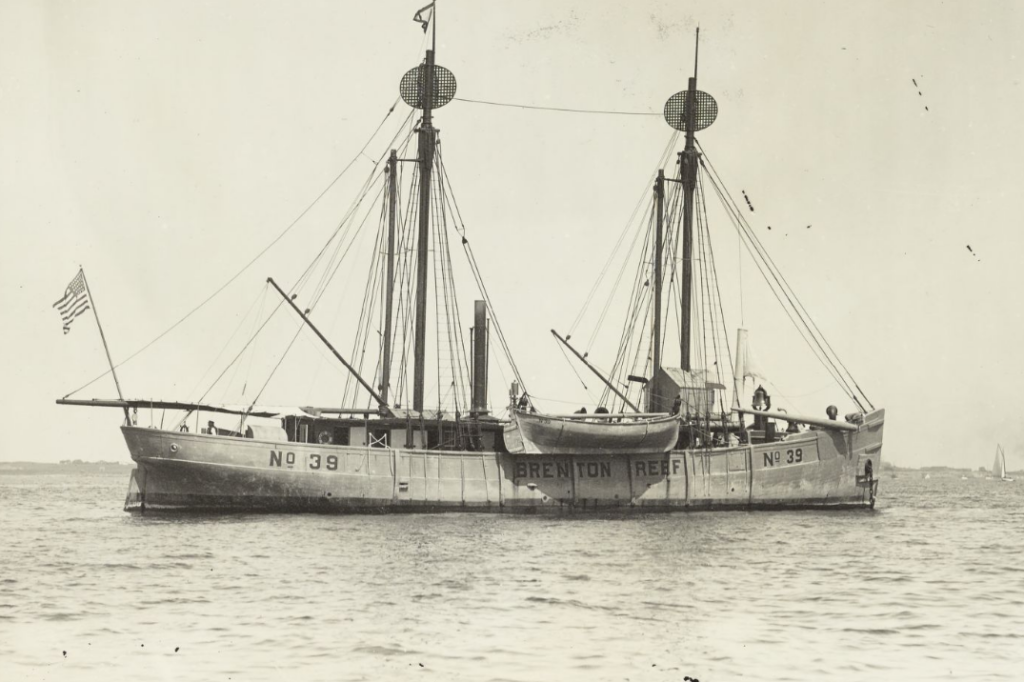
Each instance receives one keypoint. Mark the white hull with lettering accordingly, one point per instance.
(197, 472)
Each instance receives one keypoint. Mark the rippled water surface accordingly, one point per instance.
(928, 586)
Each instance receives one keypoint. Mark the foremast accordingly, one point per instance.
(427, 140)
(426, 87)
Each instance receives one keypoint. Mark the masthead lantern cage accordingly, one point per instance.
(678, 105)
(414, 83)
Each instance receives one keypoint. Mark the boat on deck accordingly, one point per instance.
(381, 449)
(528, 433)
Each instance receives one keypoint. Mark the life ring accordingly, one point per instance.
(324, 438)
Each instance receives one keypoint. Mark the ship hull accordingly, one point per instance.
(178, 472)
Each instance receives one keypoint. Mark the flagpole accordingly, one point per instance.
(96, 314)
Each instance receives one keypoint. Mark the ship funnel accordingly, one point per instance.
(479, 401)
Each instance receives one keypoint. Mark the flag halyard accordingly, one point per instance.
(74, 302)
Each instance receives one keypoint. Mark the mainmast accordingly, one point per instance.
(426, 87)
(688, 169)
(689, 111)
(427, 139)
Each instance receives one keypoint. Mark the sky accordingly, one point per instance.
(162, 146)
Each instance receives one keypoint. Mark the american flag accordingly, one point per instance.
(75, 301)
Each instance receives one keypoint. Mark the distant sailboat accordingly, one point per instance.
(999, 467)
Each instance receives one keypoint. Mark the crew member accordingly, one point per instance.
(762, 403)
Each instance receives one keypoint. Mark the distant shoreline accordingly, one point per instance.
(65, 467)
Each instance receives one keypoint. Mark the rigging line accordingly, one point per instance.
(346, 222)
(401, 321)
(622, 271)
(374, 283)
(494, 316)
(739, 269)
(800, 329)
(327, 278)
(366, 310)
(810, 320)
(804, 317)
(627, 342)
(573, 368)
(638, 295)
(450, 197)
(461, 360)
(707, 306)
(475, 269)
(639, 303)
(381, 321)
(227, 343)
(452, 324)
(361, 196)
(250, 263)
(783, 286)
(233, 361)
(672, 247)
(649, 216)
(622, 235)
(672, 269)
(407, 288)
(714, 271)
(386, 362)
(706, 309)
(561, 109)
(439, 292)
(315, 345)
(278, 365)
(408, 272)
(406, 306)
(646, 307)
(673, 252)
(373, 294)
(466, 368)
(641, 350)
(252, 355)
(338, 239)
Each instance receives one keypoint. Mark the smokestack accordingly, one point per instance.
(479, 406)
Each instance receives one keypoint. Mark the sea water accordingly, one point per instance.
(928, 586)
